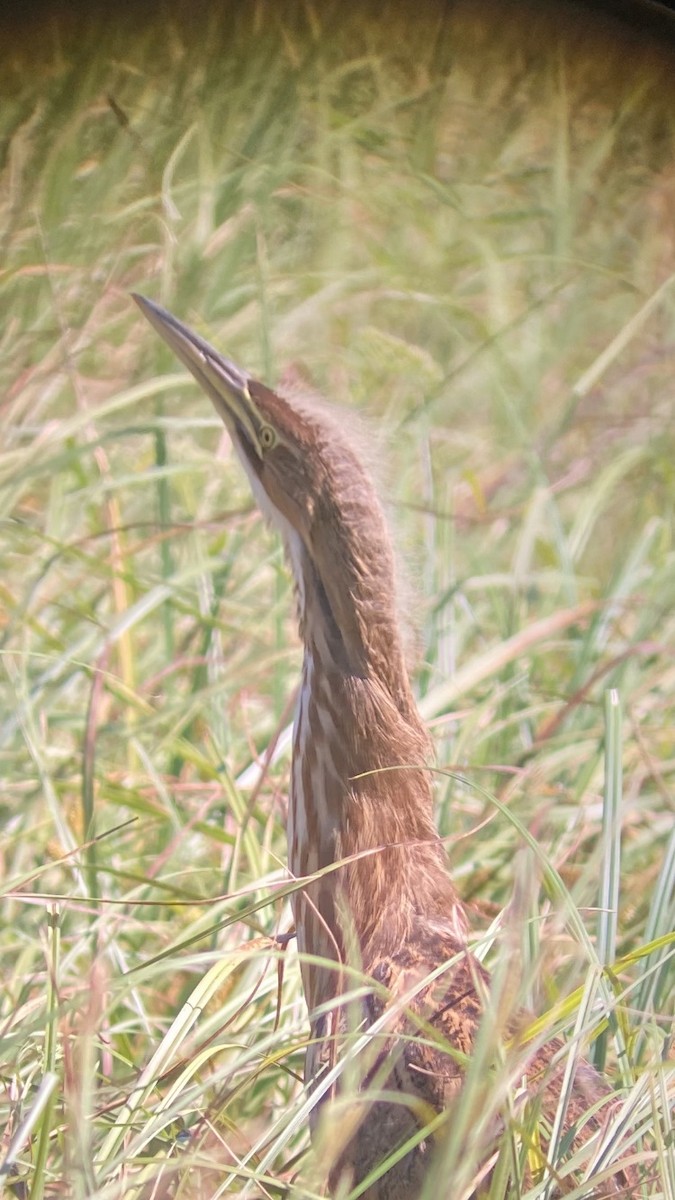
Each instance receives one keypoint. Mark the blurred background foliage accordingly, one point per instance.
(457, 219)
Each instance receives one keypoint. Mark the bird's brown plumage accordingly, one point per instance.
(361, 792)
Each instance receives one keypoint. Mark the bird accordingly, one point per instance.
(376, 901)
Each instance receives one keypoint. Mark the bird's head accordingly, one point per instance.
(274, 443)
(308, 480)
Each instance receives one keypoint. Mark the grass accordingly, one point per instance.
(464, 230)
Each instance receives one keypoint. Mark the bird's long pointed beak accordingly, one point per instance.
(224, 383)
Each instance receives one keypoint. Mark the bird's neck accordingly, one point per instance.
(362, 791)
(361, 788)
(350, 627)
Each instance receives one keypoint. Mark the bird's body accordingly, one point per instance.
(361, 795)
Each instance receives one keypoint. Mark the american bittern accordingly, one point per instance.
(359, 784)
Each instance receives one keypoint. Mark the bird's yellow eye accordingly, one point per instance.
(267, 437)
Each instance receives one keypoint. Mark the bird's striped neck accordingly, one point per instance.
(360, 791)
(361, 788)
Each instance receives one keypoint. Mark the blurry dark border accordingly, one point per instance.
(653, 17)
(34, 32)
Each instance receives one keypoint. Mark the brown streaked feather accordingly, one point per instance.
(409, 1059)
(360, 783)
